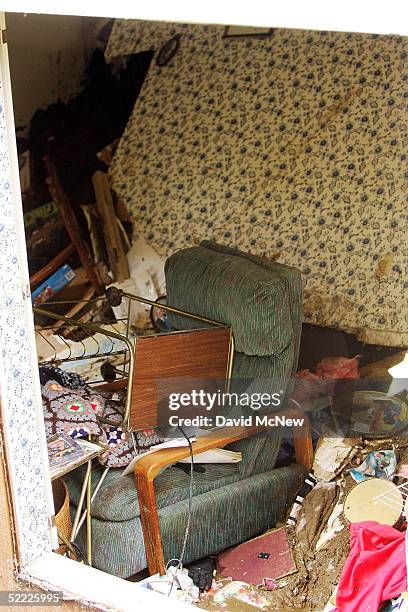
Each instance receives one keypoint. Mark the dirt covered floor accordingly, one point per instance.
(310, 588)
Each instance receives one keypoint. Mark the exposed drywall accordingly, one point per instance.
(47, 60)
(292, 146)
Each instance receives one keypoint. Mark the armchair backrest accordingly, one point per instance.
(258, 298)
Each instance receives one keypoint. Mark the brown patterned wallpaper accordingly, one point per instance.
(293, 146)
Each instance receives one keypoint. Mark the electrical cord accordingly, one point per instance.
(190, 498)
(190, 503)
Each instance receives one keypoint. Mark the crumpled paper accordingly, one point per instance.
(175, 584)
(331, 456)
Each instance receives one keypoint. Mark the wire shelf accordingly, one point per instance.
(102, 346)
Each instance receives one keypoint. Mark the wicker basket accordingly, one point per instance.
(62, 515)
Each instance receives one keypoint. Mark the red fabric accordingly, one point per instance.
(375, 569)
(338, 367)
(328, 370)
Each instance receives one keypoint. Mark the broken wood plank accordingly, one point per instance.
(72, 226)
(52, 265)
(114, 242)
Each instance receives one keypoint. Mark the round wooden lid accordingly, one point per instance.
(360, 504)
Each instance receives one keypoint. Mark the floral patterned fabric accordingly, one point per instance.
(291, 146)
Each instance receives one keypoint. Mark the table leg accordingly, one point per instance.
(88, 514)
(94, 494)
(75, 527)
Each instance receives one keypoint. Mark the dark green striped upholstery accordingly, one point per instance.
(292, 280)
(221, 518)
(232, 290)
(261, 300)
(117, 498)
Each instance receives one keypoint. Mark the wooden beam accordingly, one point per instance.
(72, 226)
(113, 240)
(52, 265)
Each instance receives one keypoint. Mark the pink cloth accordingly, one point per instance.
(375, 569)
(338, 367)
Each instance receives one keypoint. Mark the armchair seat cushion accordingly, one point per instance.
(117, 498)
(220, 518)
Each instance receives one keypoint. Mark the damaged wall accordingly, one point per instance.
(47, 60)
(293, 145)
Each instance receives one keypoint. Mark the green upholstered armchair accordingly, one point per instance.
(261, 301)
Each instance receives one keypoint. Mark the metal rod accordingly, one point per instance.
(74, 531)
(390, 495)
(171, 309)
(382, 501)
(390, 492)
(97, 357)
(90, 301)
(88, 515)
(85, 325)
(94, 494)
(230, 360)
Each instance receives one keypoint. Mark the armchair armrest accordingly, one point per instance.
(147, 468)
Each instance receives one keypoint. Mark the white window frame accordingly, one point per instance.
(21, 409)
(22, 413)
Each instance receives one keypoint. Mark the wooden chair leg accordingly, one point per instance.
(150, 525)
(302, 438)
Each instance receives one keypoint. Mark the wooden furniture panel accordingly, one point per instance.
(69, 221)
(198, 354)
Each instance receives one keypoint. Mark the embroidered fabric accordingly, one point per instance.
(75, 411)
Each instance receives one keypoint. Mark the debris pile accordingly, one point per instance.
(351, 477)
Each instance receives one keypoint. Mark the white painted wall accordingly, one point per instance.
(47, 60)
